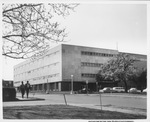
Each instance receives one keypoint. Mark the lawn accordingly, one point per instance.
(62, 112)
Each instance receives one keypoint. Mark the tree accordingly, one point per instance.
(142, 82)
(100, 77)
(28, 29)
(119, 69)
(140, 79)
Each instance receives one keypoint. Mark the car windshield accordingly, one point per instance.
(118, 88)
(133, 88)
(106, 88)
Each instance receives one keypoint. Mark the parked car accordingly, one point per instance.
(118, 89)
(132, 90)
(145, 90)
(106, 90)
(84, 90)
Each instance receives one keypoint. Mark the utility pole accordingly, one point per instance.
(87, 86)
(97, 87)
(71, 84)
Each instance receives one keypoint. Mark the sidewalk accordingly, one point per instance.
(29, 99)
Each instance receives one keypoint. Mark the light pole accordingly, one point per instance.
(71, 84)
(87, 86)
(47, 91)
(96, 86)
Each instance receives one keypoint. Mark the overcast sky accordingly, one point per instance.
(102, 26)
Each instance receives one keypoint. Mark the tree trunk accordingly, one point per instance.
(126, 86)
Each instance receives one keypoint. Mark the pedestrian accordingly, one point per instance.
(22, 89)
(27, 88)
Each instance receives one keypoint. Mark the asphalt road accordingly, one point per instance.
(127, 103)
(115, 100)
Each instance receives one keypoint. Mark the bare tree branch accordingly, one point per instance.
(20, 6)
(28, 29)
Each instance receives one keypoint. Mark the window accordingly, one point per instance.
(96, 54)
(88, 75)
(90, 64)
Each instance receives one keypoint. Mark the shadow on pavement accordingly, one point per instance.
(24, 99)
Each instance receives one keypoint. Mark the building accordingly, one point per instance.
(64, 64)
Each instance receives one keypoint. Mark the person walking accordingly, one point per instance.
(22, 89)
(27, 88)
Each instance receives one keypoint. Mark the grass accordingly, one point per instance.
(62, 112)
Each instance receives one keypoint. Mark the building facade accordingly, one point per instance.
(64, 64)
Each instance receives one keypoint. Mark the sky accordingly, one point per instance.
(110, 26)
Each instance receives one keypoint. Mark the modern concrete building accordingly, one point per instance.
(64, 64)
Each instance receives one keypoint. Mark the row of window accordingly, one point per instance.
(96, 54)
(40, 78)
(35, 61)
(142, 59)
(91, 64)
(16, 82)
(88, 75)
(46, 66)
(37, 69)
(46, 77)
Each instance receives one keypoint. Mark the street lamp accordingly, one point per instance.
(87, 86)
(97, 86)
(47, 91)
(71, 84)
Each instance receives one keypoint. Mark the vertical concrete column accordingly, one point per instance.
(37, 87)
(59, 86)
(55, 86)
(43, 87)
(47, 85)
(33, 87)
